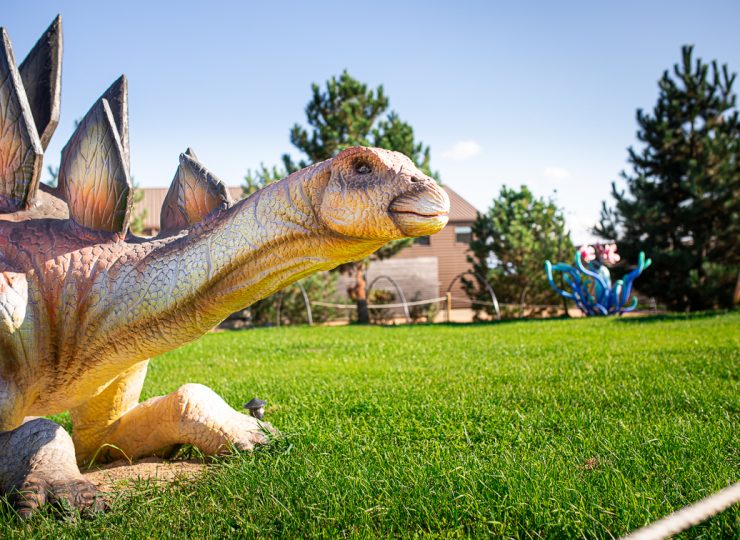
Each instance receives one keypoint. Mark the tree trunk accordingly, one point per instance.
(363, 314)
(359, 294)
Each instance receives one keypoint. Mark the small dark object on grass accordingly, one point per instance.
(256, 408)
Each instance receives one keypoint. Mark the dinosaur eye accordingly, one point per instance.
(361, 167)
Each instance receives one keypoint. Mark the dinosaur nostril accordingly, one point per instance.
(414, 179)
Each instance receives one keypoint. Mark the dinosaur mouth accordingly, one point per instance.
(421, 213)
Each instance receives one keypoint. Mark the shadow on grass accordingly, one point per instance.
(687, 316)
(478, 323)
(635, 319)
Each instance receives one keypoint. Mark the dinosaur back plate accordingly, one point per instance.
(21, 153)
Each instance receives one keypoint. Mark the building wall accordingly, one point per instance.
(451, 256)
(416, 277)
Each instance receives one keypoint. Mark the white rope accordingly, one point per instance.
(688, 516)
(338, 306)
(469, 301)
(380, 306)
(484, 303)
(455, 299)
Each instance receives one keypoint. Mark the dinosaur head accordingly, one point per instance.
(378, 194)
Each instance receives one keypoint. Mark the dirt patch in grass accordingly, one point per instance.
(121, 474)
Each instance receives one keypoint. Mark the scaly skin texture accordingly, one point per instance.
(81, 311)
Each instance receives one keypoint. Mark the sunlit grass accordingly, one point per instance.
(541, 429)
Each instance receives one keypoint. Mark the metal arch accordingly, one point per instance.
(309, 314)
(398, 290)
(494, 300)
(278, 307)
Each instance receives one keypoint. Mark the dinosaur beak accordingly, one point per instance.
(421, 211)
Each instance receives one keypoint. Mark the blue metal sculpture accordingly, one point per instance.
(590, 281)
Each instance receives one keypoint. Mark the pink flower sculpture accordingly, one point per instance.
(590, 281)
(610, 255)
(587, 253)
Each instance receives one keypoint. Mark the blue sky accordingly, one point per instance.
(536, 93)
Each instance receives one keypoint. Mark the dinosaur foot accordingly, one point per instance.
(193, 415)
(209, 423)
(252, 433)
(38, 468)
(64, 495)
(228, 430)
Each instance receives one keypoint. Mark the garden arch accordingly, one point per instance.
(309, 314)
(482, 280)
(398, 290)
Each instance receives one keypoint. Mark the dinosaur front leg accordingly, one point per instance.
(37, 466)
(193, 414)
(112, 425)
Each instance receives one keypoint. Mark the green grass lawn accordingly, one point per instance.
(534, 429)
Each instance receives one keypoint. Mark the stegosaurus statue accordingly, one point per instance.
(84, 303)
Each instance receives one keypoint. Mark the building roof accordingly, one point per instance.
(460, 209)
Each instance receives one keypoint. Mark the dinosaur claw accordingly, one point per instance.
(67, 495)
(259, 438)
(98, 506)
(79, 494)
(31, 495)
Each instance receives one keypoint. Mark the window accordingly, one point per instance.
(463, 235)
(422, 241)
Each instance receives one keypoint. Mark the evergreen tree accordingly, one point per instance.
(393, 133)
(341, 116)
(683, 202)
(136, 222)
(256, 180)
(347, 113)
(53, 180)
(511, 242)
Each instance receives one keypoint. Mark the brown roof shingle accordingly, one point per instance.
(460, 209)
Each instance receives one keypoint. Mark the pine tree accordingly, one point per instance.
(393, 133)
(53, 180)
(510, 243)
(340, 116)
(137, 222)
(347, 113)
(264, 176)
(683, 201)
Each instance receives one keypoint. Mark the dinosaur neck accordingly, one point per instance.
(236, 257)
